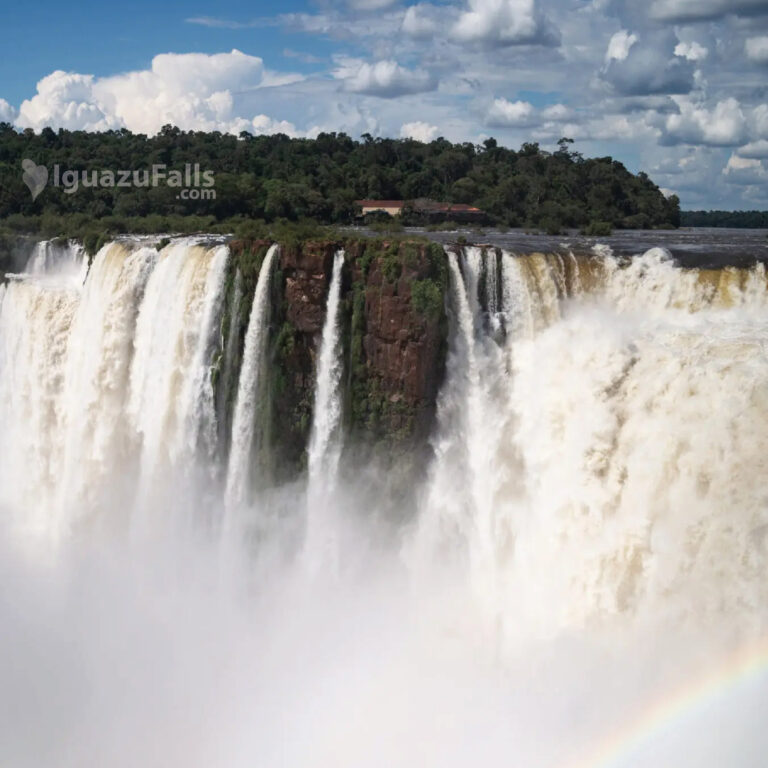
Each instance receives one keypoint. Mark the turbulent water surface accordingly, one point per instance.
(583, 584)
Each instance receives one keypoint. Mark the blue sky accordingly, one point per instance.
(678, 88)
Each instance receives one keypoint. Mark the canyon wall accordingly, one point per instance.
(394, 330)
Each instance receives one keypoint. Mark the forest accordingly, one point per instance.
(277, 178)
(733, 219)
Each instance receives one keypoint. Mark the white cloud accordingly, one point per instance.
(647, 66)
(619, 45)
(725, 125)
(262, 124)
(67, 100)
(505, 22)
(386, 79)
(741, 170)
(7, 112)
(692, 51)
(419, 131)
(759, 121)
(420, 21)
(755, 149)
(701, 10)
(194, 91)
(756, 49)
(516, 114)
(602, 128)
(557, 112)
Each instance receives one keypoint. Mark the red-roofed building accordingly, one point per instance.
(431, 209)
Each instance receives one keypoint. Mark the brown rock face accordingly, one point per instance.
(402, 348)
(307, 270)
(393, 351)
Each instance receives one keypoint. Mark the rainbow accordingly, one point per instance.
(747, 662)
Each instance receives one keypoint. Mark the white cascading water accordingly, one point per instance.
(34, 334)
(251, 370)
(58, 258)
(101, 376)
(324, 448)
(592, 531)
(613, 491)
(171, 404)
(95, 381)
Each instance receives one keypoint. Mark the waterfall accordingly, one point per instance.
(249, 388)
(58, 258)
(229, 363)
(96, 376)
(323, 452)
(463, 507)
(34, 333)
(100, 375)
(473, 268)
(170, 404)
(590, 538)
(324, 444)
(569, 453)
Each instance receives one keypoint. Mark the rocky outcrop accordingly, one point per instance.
(394, 333)
(398, 365)
(306, 269)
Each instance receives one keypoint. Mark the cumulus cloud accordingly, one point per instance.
(67, 100)
(742, 170)
(420, 131)
(511, 114)
(262, 124)
(608, 127)
(636, 66)
(692, 51)
(7, 112)
(386, 78)
(495, 23)
(755, 149)
(194, 91)
(421, 21)
(557, 112)
(723, 126)
(759, 121)
(619, 45)
(702, 10)
(756, 49)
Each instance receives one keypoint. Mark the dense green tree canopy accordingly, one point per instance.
(275, 177)
(736, 219)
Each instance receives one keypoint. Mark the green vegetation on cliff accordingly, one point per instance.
(275, 177)
(394, 331)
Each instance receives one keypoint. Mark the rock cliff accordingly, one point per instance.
(394, 340)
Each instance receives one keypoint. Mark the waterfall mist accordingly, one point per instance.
(591, 534)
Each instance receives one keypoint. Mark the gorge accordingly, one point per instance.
(380, 502)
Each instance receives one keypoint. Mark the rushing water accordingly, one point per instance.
(324, 448)
(583, 585)
(243, 426)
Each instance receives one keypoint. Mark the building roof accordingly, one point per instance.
(422, 204)
(380, 203)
